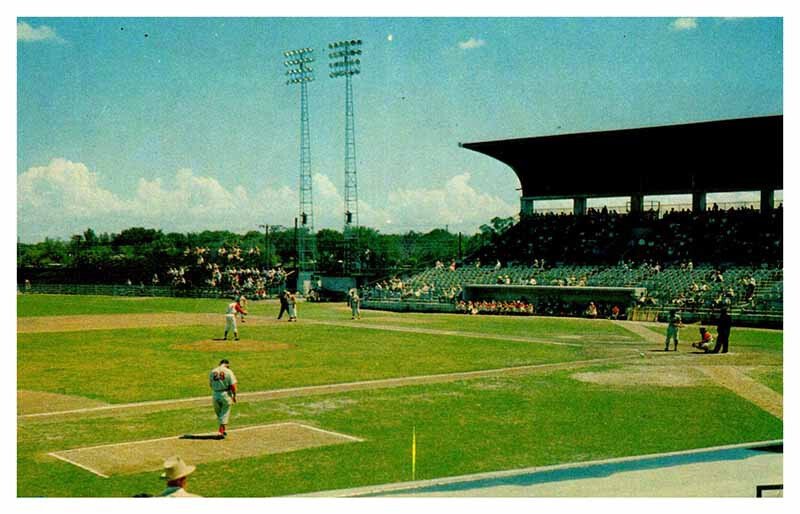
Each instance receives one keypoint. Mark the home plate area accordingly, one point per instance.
(149, 455)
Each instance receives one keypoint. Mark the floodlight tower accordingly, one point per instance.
(299, 71)
(346, 62)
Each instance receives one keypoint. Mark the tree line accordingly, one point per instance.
(137, 253)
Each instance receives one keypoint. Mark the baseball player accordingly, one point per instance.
(706, 340)
(673, 328)
(243, 304)
(233, 309)
(223, 386)
(284, 298)
(355, 304)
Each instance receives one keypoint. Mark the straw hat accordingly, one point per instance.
(175, 468)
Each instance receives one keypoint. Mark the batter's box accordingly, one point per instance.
(149, 455)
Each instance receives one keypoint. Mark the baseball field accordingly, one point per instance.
(107, 388)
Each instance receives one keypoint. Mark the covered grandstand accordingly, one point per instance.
(696, 260)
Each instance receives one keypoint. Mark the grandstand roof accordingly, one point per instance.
(743, 154)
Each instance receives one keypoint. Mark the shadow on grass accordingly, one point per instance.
(214, 437)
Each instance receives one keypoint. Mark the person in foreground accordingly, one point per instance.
(175, 473)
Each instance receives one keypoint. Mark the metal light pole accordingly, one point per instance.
(345, 62)
(299, 71)
(267, 249)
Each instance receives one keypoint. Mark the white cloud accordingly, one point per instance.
(66, 187)
(471, 43)
(457, 204)
(683, 24)
(41, 33)
(65, 198)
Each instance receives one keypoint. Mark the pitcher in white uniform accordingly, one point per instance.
(231, 311)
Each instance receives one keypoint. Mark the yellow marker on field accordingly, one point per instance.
(413, 453)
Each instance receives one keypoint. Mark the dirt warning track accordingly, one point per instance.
(176, 319)
(40, 324)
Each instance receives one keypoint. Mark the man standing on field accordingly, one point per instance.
(355, 304)
(223, 387)
(233, 309)
(284, 298)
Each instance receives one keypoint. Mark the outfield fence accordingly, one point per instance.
(126, 290)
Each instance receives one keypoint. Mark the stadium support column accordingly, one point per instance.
(698, 201)
(299, 71)
(345, 62)
(767, 200)
(579, 205)
(526, 206)
(637, 203)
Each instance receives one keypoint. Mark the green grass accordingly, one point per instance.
(67, 305)
(462, 427)
(140, 364)
(771, 377)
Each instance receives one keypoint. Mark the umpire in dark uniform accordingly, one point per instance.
(284, 303)
(723, 332)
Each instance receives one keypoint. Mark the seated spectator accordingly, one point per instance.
(591, 310)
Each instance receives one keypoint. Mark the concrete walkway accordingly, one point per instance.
(729, 471)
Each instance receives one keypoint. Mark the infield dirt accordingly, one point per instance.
(139, 456)
(35, 402)
(243, 345)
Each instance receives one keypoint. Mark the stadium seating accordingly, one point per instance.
(695, 262)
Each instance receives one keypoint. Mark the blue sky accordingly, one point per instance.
(186, 124)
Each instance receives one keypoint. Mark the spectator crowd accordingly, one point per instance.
(742, 235)
(230, 270)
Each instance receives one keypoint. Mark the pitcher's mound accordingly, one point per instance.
(35, 402)
(242, 345)
(149, 455)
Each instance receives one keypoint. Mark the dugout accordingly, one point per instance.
(625, 297)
